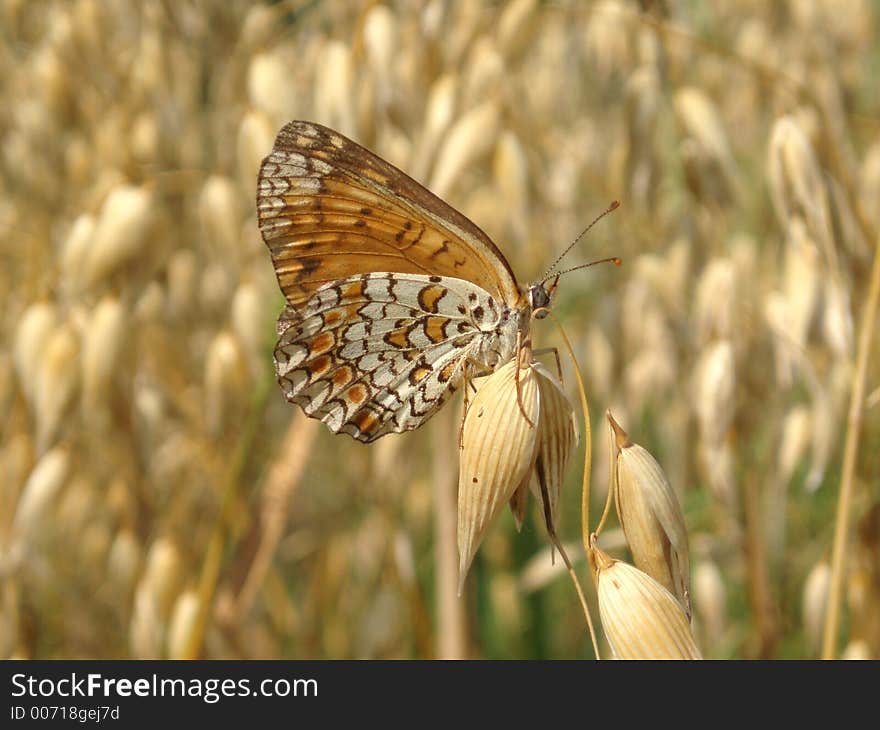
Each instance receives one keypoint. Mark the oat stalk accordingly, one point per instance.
(612, 480)
(213, 560)
(451, 639)
(585, 487)
(850, 452)
(283, 478)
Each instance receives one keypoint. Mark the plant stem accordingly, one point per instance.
(585, 487)
(850, 452)
(581, 598)
(588, 448)
(283, 478)
(612, 474)
(452, 635)
(210, 573)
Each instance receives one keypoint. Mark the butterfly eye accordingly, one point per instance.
(538, 297)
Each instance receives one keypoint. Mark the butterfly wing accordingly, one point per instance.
(380, 353)
(329, 209)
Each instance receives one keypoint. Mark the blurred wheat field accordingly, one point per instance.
(160, 498)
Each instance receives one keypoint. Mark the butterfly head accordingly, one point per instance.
(540, 295)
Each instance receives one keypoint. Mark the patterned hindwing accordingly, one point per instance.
(380, 353)
(329, 209)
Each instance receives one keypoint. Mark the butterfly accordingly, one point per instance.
(393, 297)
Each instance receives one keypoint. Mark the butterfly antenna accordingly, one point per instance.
(614, 205)
(616, 260)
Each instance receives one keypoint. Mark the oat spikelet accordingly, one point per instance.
(74, 251)
(793, 444)
(714, 391)
(180, 627)
(333, 92)
(557, 438)
(483, 73)
(796, 182)
(225, 378)
(470, 138)
(220, 216)
(268, 84)
(40, 492)
(439, 111)
(710, 167)
(249, 316)
(154, 598)
(497, 455)
(815, 602)
(716, 300)
(651, 516)
(121, 232)
(857, 650)
(607, 39)
(56, 378)
(123, 561)
(641, 619)
(103, 343)
(710, 602)
(511, 173)
(34, 330)
(381, 44)
(516, 25)
(255, 135)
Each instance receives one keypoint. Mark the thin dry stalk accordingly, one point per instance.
(585, 487)
(588, 439)
(612, 479)
(451, 619)
(580, 593)
(212, 563)
(284, 477)
(850, 452)
(763, 605)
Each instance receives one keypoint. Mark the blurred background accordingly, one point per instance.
(160, 498)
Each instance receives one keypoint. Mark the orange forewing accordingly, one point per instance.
(329, 209)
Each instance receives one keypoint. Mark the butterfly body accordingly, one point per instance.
(393, 297)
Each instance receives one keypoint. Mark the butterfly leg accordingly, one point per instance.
(467, 401)
(464, 410)
(524, 356)
(547, 350)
